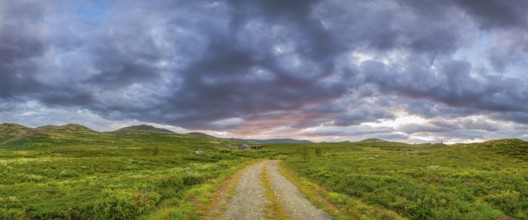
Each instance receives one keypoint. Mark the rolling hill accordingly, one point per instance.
(256, 141)
(80, 168)
(9, 132)
(17, 137)
(201, 134)
(143, 128)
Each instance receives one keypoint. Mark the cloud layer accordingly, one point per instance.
(325, 70)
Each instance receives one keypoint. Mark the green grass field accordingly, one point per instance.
(72, 172)
(471, 181)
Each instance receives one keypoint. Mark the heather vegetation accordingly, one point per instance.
(462, 181)
(72, 172)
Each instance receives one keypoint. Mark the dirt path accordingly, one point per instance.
(295, 203)
(250, 201)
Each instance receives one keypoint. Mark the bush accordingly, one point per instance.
(173, 181)
(193, 179)
(12, 214)
(68, 173)
(124, 204)
(506, 200)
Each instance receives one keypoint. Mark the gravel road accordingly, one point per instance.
(295, 203)
(249, 202)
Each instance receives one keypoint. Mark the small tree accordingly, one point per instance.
(155, 152)
(318, 151)
(304, 154)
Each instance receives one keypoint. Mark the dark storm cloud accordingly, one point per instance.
(316, 41)
(521, 117)
(431, 109)
(67, 97)
(487, 13)
(497, 14)
(452, 84)
(358, 116)
(20, 41)
(441, 125)
(207, 64)
(387, 25)
(244, 76)
(353, 131)
(418, 128)
(356, 108)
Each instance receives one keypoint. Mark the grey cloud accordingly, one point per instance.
(441, 125)
(430, 109)
(467, 134)
(497, 14)
(521, 117)
(347, 131)
(387, 25)
(66, 97)
(216, 86)
(193, 63)
(419, 128)
(451, 83)
(20, 41)
(487, 13)
(358, 116)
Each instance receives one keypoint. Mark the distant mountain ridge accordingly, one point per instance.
(370, 140)
(143, 127)
(201, 134)
(64, 128)
(506, 141)
(17, 137)
(271, 141)
(256, 141)
(10, 133)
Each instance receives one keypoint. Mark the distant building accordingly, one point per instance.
(247, 147)
(199, 151)
(243, 147)
(258, 147)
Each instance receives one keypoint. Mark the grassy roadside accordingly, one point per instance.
(338, 205)
(199, 200)
(274, 208)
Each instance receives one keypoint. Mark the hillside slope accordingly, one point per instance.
(17, 137)
(142, 128)
(9, 132)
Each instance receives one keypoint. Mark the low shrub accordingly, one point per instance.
(124, 204)
(12, 214)
(68, 174)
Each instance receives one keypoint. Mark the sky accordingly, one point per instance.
(322, 70)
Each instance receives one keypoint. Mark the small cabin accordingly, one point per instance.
(247, 147)
(257, 147)
(199, 151)
(244, 147)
